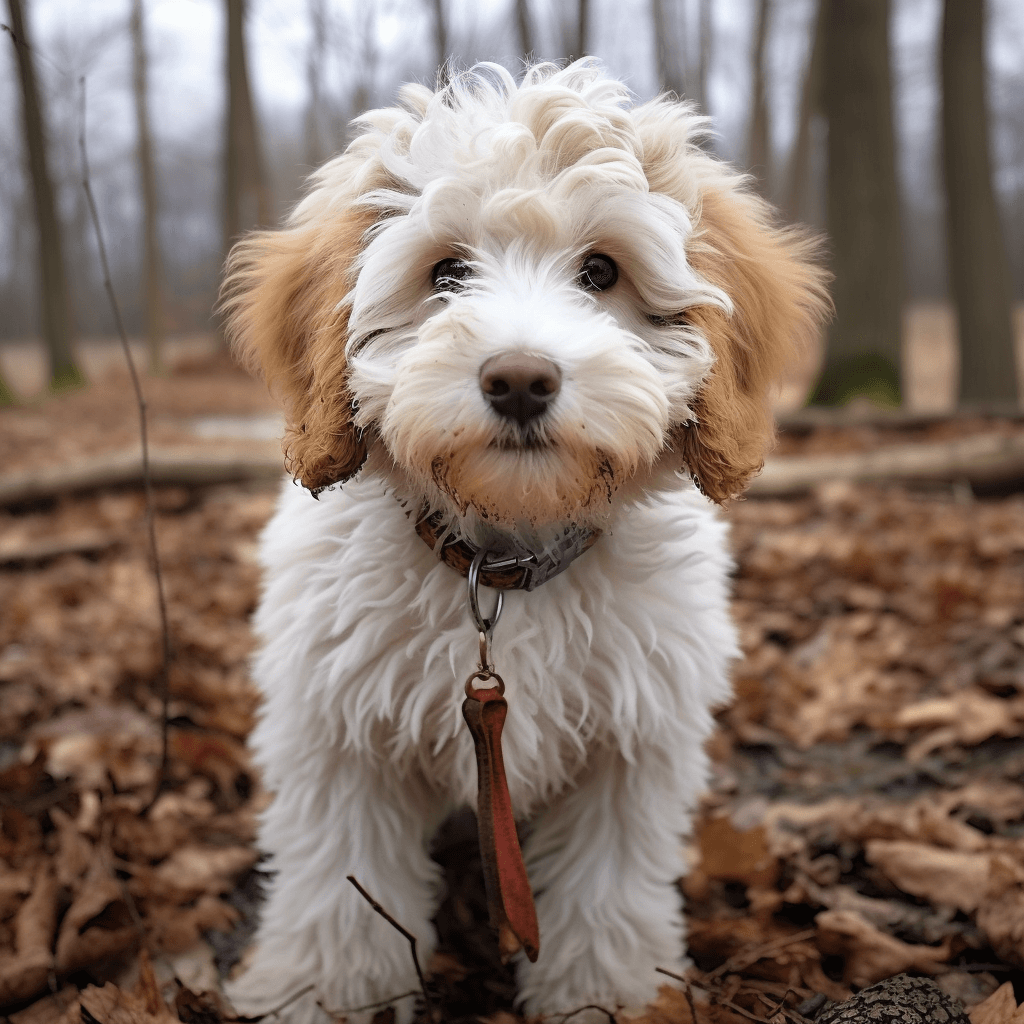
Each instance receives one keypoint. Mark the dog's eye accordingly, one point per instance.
(451, 275)
(598, 273)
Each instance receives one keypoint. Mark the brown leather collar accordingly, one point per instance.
(514, 572)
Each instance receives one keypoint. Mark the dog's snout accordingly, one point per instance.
(520, 386)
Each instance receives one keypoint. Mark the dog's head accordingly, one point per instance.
(527, 303)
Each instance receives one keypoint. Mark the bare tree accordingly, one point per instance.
(759, 144)
(152, 270)
(315, 148)
(246, 197)
(864, 342)
(704, 37)
(978, 267)
(798, 177)
(669, 46)
(440, 33)
(524, 29)
(576, 42)
(53, 287)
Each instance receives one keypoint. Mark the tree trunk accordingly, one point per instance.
(440, 33)
(53, 286)
(669, 45)
(759, 145)
(810, 104)
(978, 269)
(150, 213)
(704, 57)
(7, 395)
(524, 29)
(582, 29)
(315, 149)
(864, 343)
(246, 200)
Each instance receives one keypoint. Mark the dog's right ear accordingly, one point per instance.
(286, 319)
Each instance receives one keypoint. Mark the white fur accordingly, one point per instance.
(366, 641)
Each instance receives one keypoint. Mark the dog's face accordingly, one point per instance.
(526, 304)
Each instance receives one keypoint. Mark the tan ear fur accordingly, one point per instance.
(778, 290)
(283, 298)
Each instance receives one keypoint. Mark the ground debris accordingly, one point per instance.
(866, 816)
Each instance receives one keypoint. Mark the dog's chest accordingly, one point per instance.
(372, 637)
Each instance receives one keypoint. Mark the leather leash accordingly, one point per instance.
(509, 897)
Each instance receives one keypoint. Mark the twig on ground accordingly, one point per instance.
(782, 1008)
(368, 1006)
(687, 991)
(412, 941)
(277, 1009)
(164, 680)
(741, 961)
(590, 1006)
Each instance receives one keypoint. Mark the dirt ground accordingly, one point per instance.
(866, 816)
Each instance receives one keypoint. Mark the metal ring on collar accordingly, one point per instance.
(485, 626)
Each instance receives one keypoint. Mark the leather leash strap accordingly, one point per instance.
(509, 897)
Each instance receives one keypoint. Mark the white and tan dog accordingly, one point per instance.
(532, 312)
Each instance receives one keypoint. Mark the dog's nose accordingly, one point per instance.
(520, 386)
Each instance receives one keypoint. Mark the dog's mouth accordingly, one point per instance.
(528, 443)
(522, 439)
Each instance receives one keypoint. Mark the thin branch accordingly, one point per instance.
(369, 1006)
(687, 991)
(164, 678)
(590, 1006)
(412, 940)
(277, 1009)
(741, 961)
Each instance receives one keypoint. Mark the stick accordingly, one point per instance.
(686, 989)
(412, 940)
(590, 1006)
(164, 677)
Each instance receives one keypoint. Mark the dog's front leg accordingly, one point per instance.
(334, 816)
(604, 858)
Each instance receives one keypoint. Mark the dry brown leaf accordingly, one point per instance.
(1000, 1008)
(870, 955)
(98, 923)
(205, 869)
(730, 855)
(1002, 920)
(175, 929)
(147, 990)
(947, 877)
(74, 852)
(48, 1010)
(968, 717)
(111, 1005)
(24, 974)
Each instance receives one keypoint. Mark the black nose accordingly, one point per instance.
(519, 386)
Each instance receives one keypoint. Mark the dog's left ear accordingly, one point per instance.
(283, 298)
(778, 289)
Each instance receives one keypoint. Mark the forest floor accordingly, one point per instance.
(866, 814)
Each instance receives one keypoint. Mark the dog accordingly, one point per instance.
(534, 320)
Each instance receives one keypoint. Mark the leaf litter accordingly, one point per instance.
(866, 816)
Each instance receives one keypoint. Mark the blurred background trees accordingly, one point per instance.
(895, 125)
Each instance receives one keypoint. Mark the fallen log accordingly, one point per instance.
(190, 466)
(981, 460)
(985, 460)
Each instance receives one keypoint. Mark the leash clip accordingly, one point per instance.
(485, 627)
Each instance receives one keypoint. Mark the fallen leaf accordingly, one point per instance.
(1000, 1008)
(871, 955)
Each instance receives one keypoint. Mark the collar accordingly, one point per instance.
(512, 572)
